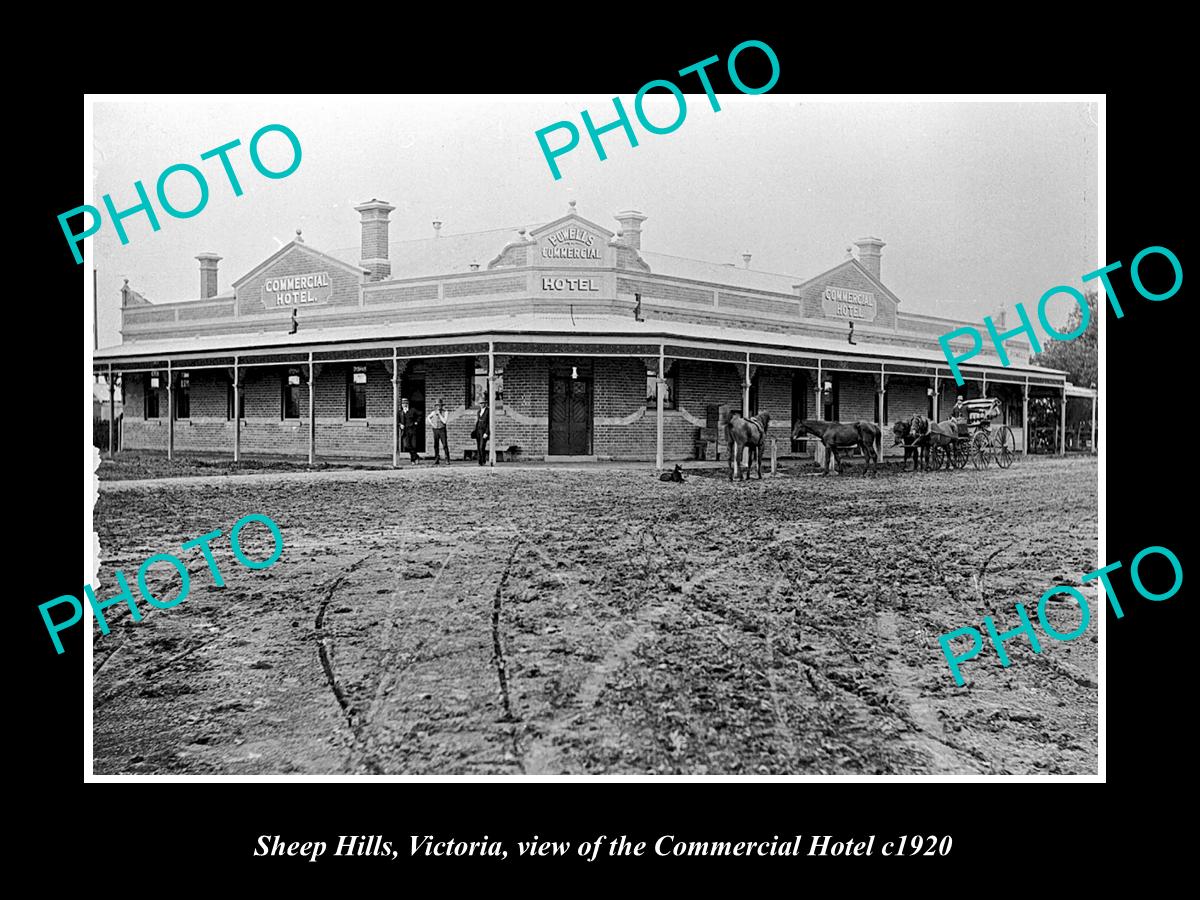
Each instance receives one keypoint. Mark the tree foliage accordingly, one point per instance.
(1078, 357)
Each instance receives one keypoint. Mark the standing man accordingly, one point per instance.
(437, 421)
(483, 427)
(409, 423)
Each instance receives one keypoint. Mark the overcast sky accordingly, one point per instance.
(981, 205)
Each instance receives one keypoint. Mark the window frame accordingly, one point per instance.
(152, 393)
(182, 396)
(351, 388)
(671, 377)
(287, 386)
(476, 372)
(229, 401)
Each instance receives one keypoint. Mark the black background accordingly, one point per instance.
(204, 835)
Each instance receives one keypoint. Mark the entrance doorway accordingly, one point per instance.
(413, 387)
(570, 415)
(800, 390)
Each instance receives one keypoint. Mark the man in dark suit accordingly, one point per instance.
(483, 428)
(409, 422)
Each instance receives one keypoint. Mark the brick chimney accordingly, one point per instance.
(375, 238)
(208, 274)
(631, 227)
(869, 249)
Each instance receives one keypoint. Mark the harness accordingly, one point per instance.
(757, 423)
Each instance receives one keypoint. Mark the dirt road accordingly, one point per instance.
(600, 621)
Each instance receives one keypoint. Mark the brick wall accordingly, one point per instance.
(298, 261)
(521, 419)
(856, 396)
(849, 276)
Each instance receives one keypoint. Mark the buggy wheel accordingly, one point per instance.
(961, 454)
(939, 456)
(981, 453)
(1004, 447)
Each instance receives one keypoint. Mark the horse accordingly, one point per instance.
(943, 435)
(842, 435)
(750, 433)
(910, 434)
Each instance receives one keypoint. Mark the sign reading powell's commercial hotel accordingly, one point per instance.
(844, 303)
(571, 243)
(297, 290)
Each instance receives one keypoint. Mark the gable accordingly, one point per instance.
(297, 277)
(572, 241)
(848, 293)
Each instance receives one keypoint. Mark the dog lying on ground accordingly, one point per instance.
(676, 475)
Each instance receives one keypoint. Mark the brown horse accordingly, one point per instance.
(910, 434)
(940, 435)
(866, 436)
(750, 433)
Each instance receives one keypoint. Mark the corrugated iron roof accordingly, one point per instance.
(700, 270)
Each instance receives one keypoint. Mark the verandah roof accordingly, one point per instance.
(551, 328)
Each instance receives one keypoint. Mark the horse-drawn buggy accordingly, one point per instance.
(977, 441)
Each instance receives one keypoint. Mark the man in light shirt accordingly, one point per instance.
(437, 421)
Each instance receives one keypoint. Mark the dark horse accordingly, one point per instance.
(913, 435)
(751, 433)
(843, 436)
(942, 435)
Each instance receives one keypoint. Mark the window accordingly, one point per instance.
(152, 382)
(356, 393)
(241, 402)
(477, 385)
(670, 379)
(183, 396)
(291, 394)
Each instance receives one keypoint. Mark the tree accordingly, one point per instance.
(1078, 357)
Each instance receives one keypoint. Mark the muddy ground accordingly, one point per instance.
(526, 620)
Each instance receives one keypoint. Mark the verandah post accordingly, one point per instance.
(491, 404)
(237, 409)
(312, 422)
(112, 411)
(658, 458)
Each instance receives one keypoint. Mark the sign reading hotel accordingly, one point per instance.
(570, 284)
(297, 290)
(844, 303)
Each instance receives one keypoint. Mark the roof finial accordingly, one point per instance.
(437, 228)
(299, 237)
(571, 204)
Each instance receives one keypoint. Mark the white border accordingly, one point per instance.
(91, 562)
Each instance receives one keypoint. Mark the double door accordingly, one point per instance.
(570, 416)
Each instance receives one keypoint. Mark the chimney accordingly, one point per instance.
(868, 253)
(208, 274)
(631, 227)
(375, 238)
(746, 259)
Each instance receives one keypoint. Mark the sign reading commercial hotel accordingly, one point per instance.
(297, 290)
(844, 303)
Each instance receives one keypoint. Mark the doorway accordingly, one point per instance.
(413, 387)
(570, 415)
(800, 390)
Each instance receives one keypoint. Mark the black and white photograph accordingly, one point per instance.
(468, 437)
